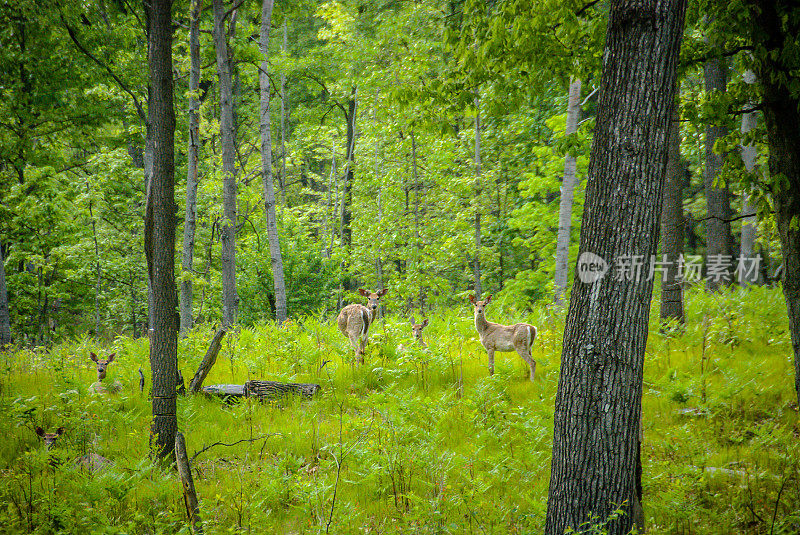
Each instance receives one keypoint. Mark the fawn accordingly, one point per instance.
(495, 337)
(102, 366)
(91, 461)
(416, 333)
(354, 321)
(49, 438)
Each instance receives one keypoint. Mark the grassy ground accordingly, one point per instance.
(421, 441)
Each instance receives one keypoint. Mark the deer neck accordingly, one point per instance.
(480, 323)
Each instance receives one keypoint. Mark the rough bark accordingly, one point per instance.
(719, 240)
(346, 232)
(598, 403)
(230, 299)
(749, 156)
(189, 493)
(771, 29)
(5, 317)
(160, 222)
(276, 259)
(672, 227)
(190, 220)
(567, 189)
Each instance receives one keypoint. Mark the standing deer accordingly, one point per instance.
(495, 337)
(102, 366)
(354, 321)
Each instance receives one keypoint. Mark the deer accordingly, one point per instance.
(91, 461)
(49, 439)
(416, 333)
(99, 387)
(354, 321)
(496, 337)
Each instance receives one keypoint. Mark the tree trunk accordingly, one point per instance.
(476, 260)
(230, 300)
(672, 226)
(598, 403)
(266, 169)
(346, 233)
(749, 156)
(5, 317)
(567, 189)
(160, 224)
(781, 108)
(207, 363)
(190, 221)
(282, 180)
(719, 240)
(189, 493)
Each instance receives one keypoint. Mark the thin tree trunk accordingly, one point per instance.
(476, 261)
(5, 317)
(266, 169)
(98, 273)
(567, 190)
(160, 224)
(282, 180)
(749, 156)
(719, 240)
(672, 226)
(230, 299)
(346, 233)
(190, 221)
(598, 403)
(378, 258)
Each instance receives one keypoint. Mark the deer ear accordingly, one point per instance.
(111, 357)
(488, 298)
(381, 293)
(472, 299)
(40, 431)
(93, 357)
(425, 322)
(60, 431)
(363, 292)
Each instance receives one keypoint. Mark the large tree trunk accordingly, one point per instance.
(672, 226)
(567, 189)
(719, 240)
(781, 108)
(598, 404)
(476, 260)
(160, 224)
(266, 169)
(190, 221)
(748, 239)
(5, 317)
(230, 300)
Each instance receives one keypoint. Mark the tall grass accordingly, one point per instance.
(412, 441)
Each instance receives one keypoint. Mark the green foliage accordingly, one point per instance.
(414, 440)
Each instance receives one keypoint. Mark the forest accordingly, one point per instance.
(400, 266)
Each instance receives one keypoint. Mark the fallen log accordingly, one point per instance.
(208, 362)
(189, 494)
(263, 390)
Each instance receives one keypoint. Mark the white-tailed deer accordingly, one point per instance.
(354, 321)
(100, 387)
(416, 332)
(49, 438)
(495, 337)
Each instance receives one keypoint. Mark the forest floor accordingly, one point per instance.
(421, 441)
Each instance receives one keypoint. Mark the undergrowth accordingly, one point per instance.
(414, 441)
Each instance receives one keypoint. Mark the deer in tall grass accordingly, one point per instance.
(496, 337)
(100, 387)
(49, 439)
(416, 333)
(91, 461)
(354, 321)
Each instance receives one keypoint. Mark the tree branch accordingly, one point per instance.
(251, 440)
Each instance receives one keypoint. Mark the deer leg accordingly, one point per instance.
(527, 357)
(491, 360)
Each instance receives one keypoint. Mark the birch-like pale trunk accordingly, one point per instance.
(230, 299)
(749, 156)
(276, 259)
(567, 196)
(190, 219)
(282, 180)
(476, 260)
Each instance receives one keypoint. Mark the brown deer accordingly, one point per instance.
(354, 321)
(100, 387)
(495, 337)
(49, 438)
(416, 333)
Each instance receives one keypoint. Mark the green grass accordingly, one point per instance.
(422, 441)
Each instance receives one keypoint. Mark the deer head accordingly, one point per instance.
(416, 329)
(49, 438)
(102, 365)
(372, 297)
(479, 306)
